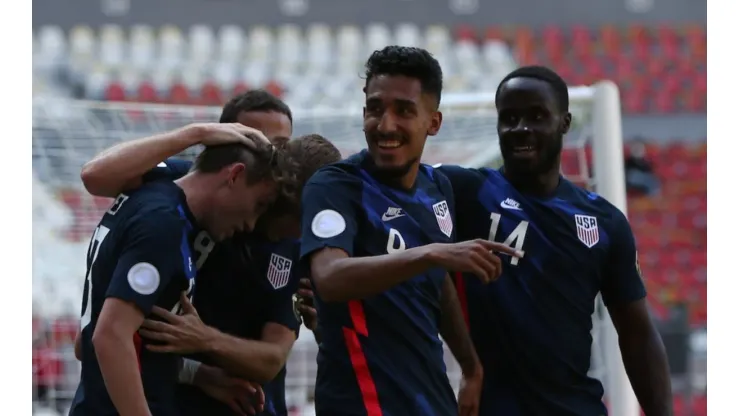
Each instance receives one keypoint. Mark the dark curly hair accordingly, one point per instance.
(408, 61)
(298, 160)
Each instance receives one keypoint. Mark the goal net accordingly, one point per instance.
(68, 133)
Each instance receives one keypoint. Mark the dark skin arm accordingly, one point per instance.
(340, 278)
(307, 309)
(454, 332)
(644, 357)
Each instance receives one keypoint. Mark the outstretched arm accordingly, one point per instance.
(121, 167)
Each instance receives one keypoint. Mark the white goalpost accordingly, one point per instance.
(67, 133)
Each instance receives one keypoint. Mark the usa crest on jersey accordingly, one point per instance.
(588, 230)
(444, 219)
(278, 273)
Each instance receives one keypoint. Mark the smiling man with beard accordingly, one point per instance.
(379, 238)
(532, 328)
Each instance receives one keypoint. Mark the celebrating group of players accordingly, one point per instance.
(199, 274)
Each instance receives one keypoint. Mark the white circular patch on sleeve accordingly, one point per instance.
(327, 224)
(143, 278)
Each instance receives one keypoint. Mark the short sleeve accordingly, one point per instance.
(171, 169)
(283, 311)
(329, 212)
(623, 279)
(154, 251)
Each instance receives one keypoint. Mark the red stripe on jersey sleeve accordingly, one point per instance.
(362, 372)
(462, 295)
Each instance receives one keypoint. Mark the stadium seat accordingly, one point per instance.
(142, 46)
(171, 47)
(231, 43)
(112, 46)
(147, 93)
(408, 34)
(210, 94)
(114, 92)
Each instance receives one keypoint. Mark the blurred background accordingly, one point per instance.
(110, 70)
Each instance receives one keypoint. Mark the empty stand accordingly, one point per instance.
(659, 70)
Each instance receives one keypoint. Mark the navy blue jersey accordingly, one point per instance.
(383, 354)
(532, 327)
(140, 252)
(238, 293)
(243, 283)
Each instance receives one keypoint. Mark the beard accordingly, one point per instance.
(547, 159)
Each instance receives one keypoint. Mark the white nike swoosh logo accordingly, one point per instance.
(507, 206)
(386, 217)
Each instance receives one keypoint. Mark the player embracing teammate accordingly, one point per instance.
(380, 231)
(244, 320)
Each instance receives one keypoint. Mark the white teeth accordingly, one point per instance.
(389, 144)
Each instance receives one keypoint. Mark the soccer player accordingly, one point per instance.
(250, 304)
(532, 327)
(252, 300)
(378, 235)
(140, 258)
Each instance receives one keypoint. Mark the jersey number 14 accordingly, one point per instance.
(515, 239)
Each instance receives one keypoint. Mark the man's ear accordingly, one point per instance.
(235, 172)
(565, 125)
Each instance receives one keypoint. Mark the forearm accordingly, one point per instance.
(249, 359)
(646, 363)
(122, 166)
(454, 332)
(118, 365)
(352, 278)
(317, 335)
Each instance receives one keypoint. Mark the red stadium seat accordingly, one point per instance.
(239, 88)
(146, 93)
(179, 94)
(115, 92)
(274, 88)
(610, 38)
(466, 33)
(210, 94)
(494, 33)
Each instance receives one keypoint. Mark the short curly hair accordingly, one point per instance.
(298, 160)
(408, 61)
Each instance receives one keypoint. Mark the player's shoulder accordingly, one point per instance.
(160, 203)
(177, 167)
(344, 172)
(593, 203)
(459, 173)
